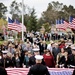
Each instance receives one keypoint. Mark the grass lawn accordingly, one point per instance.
(47, 42)
(1, 42)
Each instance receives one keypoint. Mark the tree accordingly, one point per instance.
(3, 23)
(14, 9)
(3, 10)
(51, 14)
(26, 16)
(56, 6)
(32, 22)
(47, 27)
(56, 10)
(69, 10)
(40, 22)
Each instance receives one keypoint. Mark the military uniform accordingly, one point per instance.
(6, 62)
(38, 69)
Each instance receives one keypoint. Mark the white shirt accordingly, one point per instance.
(49, 47)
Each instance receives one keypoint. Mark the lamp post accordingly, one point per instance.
(22, 21)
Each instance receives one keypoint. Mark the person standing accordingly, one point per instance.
(49, 59)
(50, 46)
(16, 60)
(71, 59)
(38, 68)
(55, 51)
(32, 58)
(3, 71)
(5, 61)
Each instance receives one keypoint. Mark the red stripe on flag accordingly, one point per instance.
(17, 27)
(24, 71)
(72, 25)
(63, 26)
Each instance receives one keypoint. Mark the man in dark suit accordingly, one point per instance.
(40, 44)
(44, 46)
(38, 68)
(55, 50)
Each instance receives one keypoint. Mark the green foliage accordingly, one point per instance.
(56, 10)
(47, 27)
(15, 10)
(40, 22)
(56, 6)
(3, 9)
(1, 42)
(32, 22)
(30, 19)
(2, 22)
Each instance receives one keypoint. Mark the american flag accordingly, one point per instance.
(61, 24)
(58, 23)
(15, 25)
(65, 25)
(52, 71)
(72, 22)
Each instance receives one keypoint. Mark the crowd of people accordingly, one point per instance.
(60, 53)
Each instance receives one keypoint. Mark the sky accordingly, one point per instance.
(39, 5)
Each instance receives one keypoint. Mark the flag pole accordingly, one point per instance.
(22, 22)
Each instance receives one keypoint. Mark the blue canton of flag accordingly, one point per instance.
(70, 19)
(62, 21)
(71, 22)
(15, 25)
(9, 20)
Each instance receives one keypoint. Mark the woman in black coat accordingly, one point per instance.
(16, 61)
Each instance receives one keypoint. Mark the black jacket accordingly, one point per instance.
(18, 63)
(7, 62)
(71, 60)
(32, 60)
(38, 69)
(3, 71)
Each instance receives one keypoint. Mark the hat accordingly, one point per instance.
(36, 49)
(73, 48)
(5, 52)
(39, 57)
